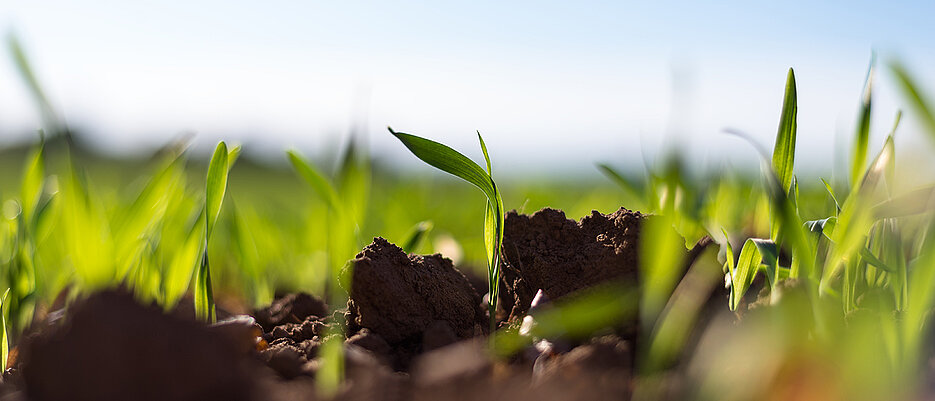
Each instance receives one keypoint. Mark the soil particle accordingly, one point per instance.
(112, 348)
(560, 256)
(399, 296)
(292, 308)
(372, 342)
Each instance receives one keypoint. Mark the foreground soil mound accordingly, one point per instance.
(411, 301)
(560, 256)
(112, 348)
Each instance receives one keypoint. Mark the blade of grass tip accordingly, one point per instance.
(31, 188)
(315, 179)
(784, 149)
(448, 160)
(623, 183)
(215, 186)
(232, 156)
(915, 97)
(837, 206)
(416, 235)
(747, 265)
(862, 135)
(493, 236)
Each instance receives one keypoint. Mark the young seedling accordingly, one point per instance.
(450, 161)
(215, 188)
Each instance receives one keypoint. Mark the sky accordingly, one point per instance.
(552, 86)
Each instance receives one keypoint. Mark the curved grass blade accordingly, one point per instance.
(215, 186)
(784, 149)
(316, 179)
(31, 188)
(448, 160)
(742, 276)
(837, 205)
(416, 236)
(862, 136)
(204, 294)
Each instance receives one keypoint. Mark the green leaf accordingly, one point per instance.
(837, 206)
(31, 188)
(784, 149)
(316, 180)
(872, 260)
(416, 235)
(184, 260)
(32, 83)
(232, 156)
(204, 295)
(448, 160)
(215, 186)
(626, 184)
(742, 276)
(661, 256)
(859, 156)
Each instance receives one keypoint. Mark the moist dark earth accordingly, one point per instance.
(413, 328)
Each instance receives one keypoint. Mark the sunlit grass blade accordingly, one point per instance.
(216, 185)
(448, 160)
(31, 187)
(862, 135)
(837, 205)
(316, 180)
(624, 183)
(661, 254)
(784, 149)
(742, 276)
(416, 236)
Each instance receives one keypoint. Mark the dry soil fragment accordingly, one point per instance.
(560, 256)
(398, 296)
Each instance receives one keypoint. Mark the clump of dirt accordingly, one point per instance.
(112, 348)
(560, 256)
(413, 302)
(291, 308)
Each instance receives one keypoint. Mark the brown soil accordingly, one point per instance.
(412, 302)
(415, 331)
(560, 256)
(112, 348)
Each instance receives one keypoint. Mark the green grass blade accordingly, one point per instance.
(216, 186)
(448, 160)
(747, 266)
(232, 155)
(316, 180)
(661, 253)
(31, 188)
(837, 205)
(862, 136)
(416, 236)
(204, 295)
(626, 184)
(914, 95)
(784, 149)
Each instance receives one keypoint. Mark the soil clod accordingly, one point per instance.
(411, 299)
(560, 256)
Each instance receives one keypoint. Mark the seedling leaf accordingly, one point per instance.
(215, 186)
(784, 149)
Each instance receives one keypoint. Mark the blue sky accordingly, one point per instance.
(551, 85)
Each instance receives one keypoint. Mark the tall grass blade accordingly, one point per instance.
(416, 236)
(316, 180)
(784, 149)
(862, 135)
(216, 186)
